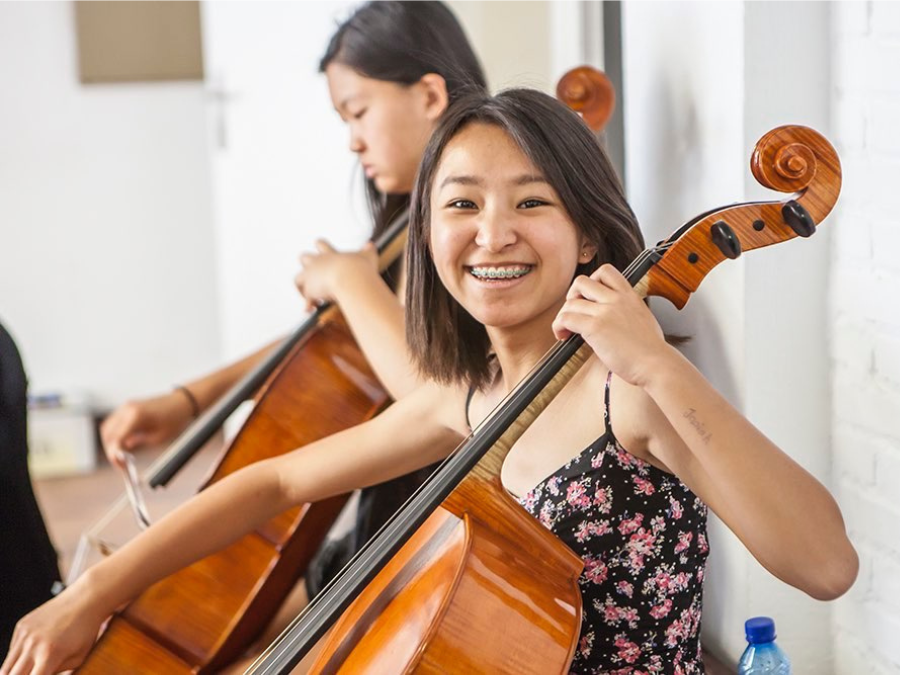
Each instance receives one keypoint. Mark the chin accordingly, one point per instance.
(388, 185)
(498, 319)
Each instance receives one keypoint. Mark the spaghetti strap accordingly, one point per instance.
(607, 418)
(468, 403)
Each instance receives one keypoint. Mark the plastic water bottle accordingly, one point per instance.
(762, 656)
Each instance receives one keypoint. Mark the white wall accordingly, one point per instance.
(786, 352)
(865, 329)
(107, 278)
(702, 82)
(282, 172)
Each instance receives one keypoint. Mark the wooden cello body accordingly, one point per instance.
(480, 550)
(203, 617)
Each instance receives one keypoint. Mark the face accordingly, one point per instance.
(502, 242)
(389, 124)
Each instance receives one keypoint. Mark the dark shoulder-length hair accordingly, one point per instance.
(447, 343)
(401, 42)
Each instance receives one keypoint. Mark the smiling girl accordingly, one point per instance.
(513, 201)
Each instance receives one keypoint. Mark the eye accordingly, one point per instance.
(462, 204)
(358, 115)
(532, 203)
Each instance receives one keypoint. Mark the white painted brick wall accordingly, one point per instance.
(865, 329)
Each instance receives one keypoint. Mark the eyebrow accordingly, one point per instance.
(343, 104)
(524, 179)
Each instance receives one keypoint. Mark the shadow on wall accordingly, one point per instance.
(674, 159)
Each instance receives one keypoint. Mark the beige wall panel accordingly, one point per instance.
(138, 41)
(512, 39)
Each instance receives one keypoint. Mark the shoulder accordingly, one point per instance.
(436, 404)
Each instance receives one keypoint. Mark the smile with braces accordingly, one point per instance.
(499, 273)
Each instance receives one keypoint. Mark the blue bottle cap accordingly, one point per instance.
(759, 629)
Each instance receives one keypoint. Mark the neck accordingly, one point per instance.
(519, 348)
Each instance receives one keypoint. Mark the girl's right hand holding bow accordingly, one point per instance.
(144, 423)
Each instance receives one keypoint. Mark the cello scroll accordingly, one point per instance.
(590, 92)
(792, 159)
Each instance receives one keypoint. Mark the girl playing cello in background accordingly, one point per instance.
(514, 200)
(392, 69)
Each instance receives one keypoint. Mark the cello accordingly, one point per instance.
(462, 560)
(203, 617)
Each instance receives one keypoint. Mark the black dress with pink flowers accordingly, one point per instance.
(642, 535)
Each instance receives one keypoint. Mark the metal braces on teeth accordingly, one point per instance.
(498, 274)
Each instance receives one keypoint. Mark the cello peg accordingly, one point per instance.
(798, 218)
(725, 239)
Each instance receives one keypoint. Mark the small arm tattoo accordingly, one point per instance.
(691, 416)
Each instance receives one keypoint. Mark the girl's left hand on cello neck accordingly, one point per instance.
(613, 319)
(323, 271)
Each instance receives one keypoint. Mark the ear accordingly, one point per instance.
(434, 89)
(587, 251)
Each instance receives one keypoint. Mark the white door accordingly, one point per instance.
(281, 169)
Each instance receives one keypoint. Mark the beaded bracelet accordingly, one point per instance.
(195, 405)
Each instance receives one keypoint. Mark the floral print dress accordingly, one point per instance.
(642, 535)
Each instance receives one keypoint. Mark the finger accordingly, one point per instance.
(112, 446)
(561, 333)
(370, 251)
(133, 441)
(22, 665)
(569, 322)
(121, 423)
(41, 664)
(590, 289)
(610, 276)
(306, 258)
(109, 429)
(116, 456)
(15, 649)
(582, 307)
(575, 289)
(323, 246)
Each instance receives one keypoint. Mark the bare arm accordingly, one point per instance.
(782, 514)
(411, 434)
(374, 313)
(153, 421)
(376, 318)
(210, 388)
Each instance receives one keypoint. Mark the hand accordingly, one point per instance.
(613, 319)
(144, 422)
(324, 270)
(53, 638)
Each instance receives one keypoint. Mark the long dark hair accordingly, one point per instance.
(401, 42)
(447, 343)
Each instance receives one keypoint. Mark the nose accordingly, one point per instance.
(356, 142)
(496, 231)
